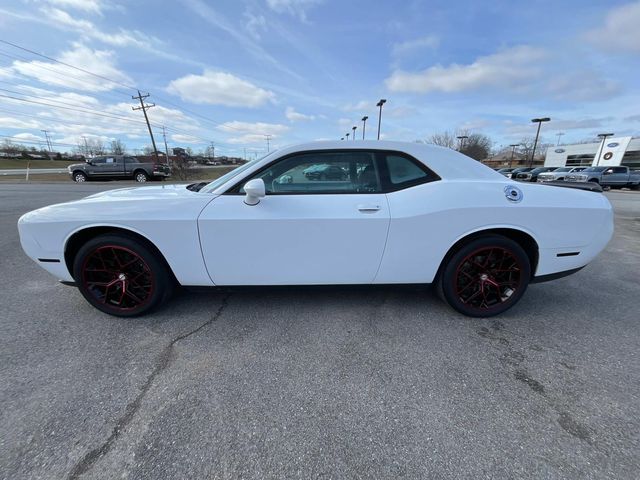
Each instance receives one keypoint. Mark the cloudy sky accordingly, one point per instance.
(233, 71)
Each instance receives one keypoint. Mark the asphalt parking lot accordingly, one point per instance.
(320, 383)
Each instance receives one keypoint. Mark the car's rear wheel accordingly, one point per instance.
(79, 177)
(485, 277)
(121, 275)
(140, 176)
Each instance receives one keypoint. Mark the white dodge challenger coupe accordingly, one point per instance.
(398, 213)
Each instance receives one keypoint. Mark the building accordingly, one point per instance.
(616, 151)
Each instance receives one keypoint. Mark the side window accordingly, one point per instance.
(619, 170)
(322, 173)
(110, 160)
(404, 172)
(98, 161)
(131, 160)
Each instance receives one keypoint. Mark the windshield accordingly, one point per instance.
(233, 173)
(594, 169)
(564, 169)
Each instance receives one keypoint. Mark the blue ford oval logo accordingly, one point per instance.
(612, 144)
(559, 150)
(513, 193)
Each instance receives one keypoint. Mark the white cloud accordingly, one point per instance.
(256, 24)
(581, 86)
(100, 62)
(620, 30)
(180, 138)
(297, 8)
(219, 88)
(246, 132)
(19, 124)
(120, 38)
(508, 68)
(30, 137)
(361, 106)
(404, 48)
(294, 116)
(345, 122)
(89, 6)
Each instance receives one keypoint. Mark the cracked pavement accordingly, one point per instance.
(320, 382)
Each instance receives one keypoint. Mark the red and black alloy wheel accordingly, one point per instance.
(121, 275)
(486, 276)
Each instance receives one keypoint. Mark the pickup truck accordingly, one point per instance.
(613, 177)
(117, 167)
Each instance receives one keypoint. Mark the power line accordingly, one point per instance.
(117, 83)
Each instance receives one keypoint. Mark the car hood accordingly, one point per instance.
(147, 192)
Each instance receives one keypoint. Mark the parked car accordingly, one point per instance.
(110, 167)
(325, 172)
(558, 174)
(506, 171)
(414, 214)
(613, 177)
(532, 175)
(515, 171)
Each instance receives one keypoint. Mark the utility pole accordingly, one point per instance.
(166, 149)
(213, 151)
(268, 137)
(144, 107)
(46, 136)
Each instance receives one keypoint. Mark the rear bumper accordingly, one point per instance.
(555, 276)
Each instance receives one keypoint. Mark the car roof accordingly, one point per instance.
(447, 163)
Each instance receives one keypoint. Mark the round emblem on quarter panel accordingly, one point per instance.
(513, 193)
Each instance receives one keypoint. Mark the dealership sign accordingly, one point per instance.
(559, 150)
(612, 152)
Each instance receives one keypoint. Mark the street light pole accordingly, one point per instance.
(559, 134)
(462, 138)
(364, 125)
(513, 149)
(603, 136)
(380, 104)
(353, 137)
(347, 135)
(535, 142)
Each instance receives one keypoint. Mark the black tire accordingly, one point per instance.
(121, 275)
(140, 176)
(79, 177)
(485, 277)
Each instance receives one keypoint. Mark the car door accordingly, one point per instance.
(306, 230)
(112, 168)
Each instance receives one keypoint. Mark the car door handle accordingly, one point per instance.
(368, 208)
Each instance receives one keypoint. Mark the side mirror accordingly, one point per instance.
(255, 190)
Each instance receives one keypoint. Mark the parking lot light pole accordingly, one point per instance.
(364, 125)
(347, 135)
(342, 138)
(354, 132)
(462, 138)
(535, 142)
(603, 136)
(513, 150)
(380, 104)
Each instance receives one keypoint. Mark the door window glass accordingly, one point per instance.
(321, 173)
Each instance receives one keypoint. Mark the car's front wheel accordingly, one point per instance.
(79, 177)
(485, 277)
(121, 275)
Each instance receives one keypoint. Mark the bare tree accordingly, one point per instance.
(116, 147)
(445, 139)
(477, 146)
